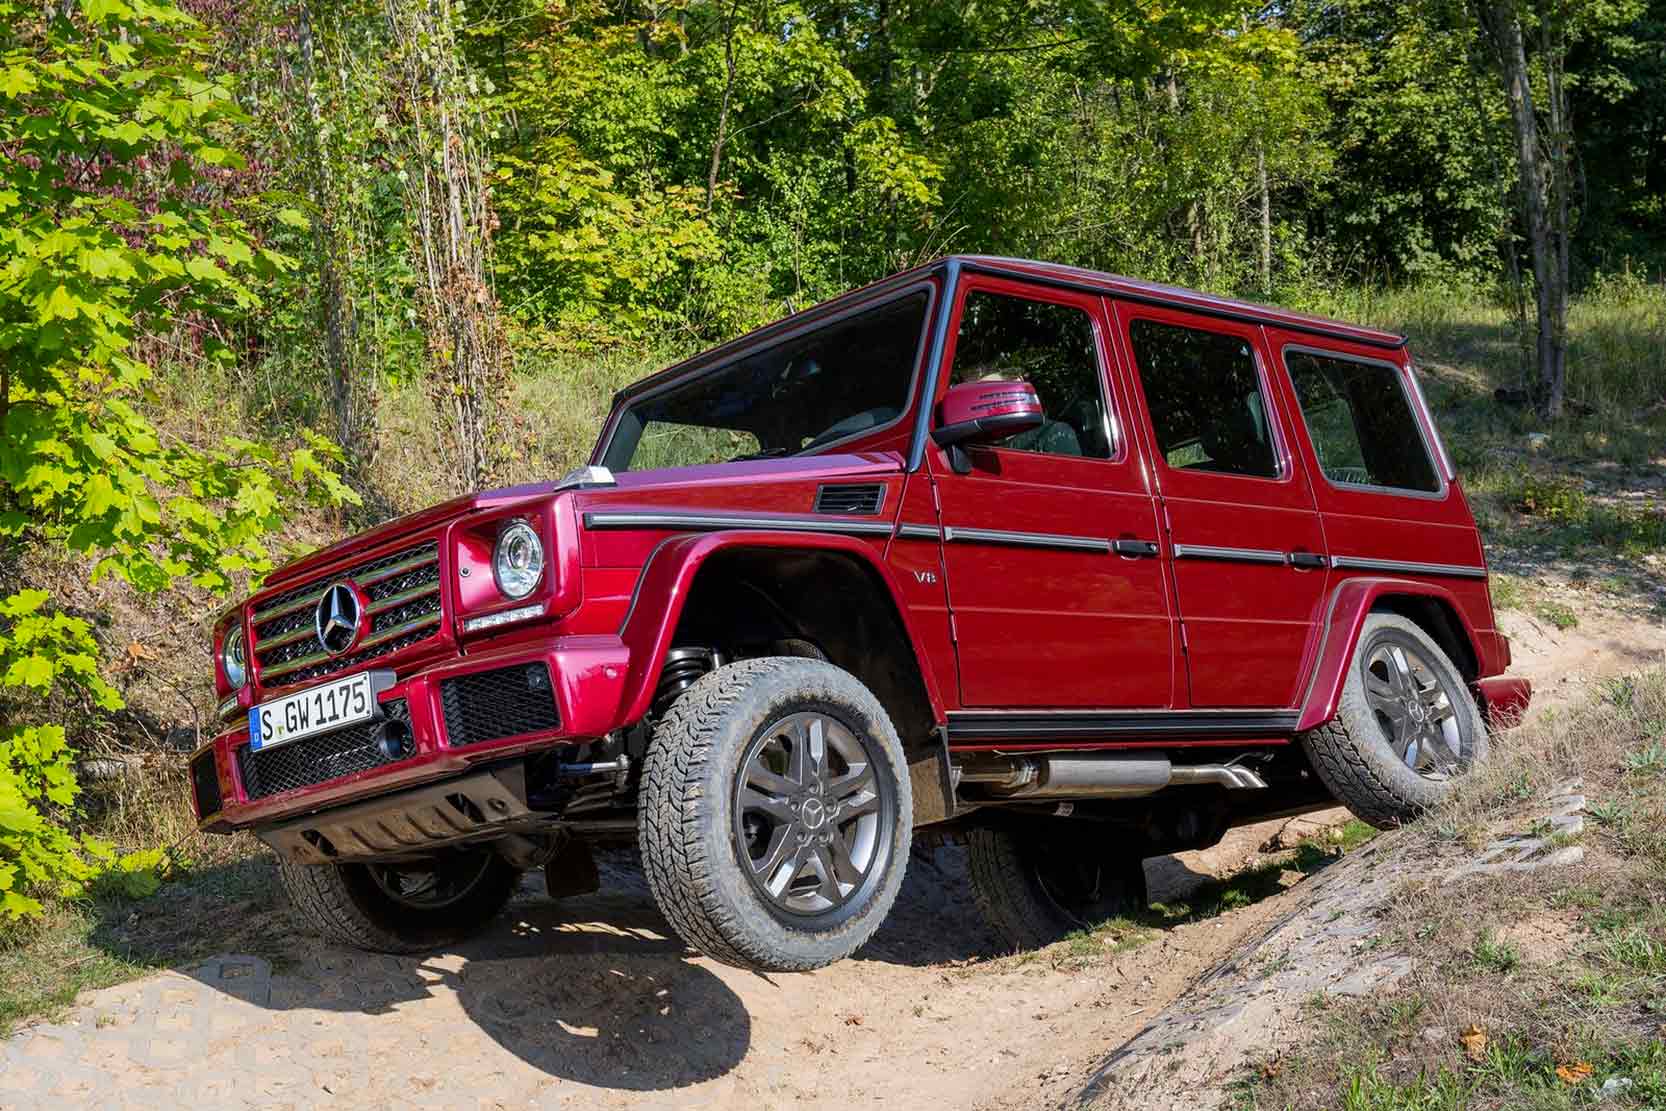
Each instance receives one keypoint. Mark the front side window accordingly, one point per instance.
(1205, 399)
(1050, 346)
(1361, 423)
(848, 377)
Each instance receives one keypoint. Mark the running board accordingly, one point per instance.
(987, 730)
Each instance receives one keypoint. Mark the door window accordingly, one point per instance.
(1053, 348)
(1361, 423)
(1205, 399)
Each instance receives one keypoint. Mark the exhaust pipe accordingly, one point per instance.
(1100, 776)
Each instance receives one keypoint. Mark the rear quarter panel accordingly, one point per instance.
(1397, 526)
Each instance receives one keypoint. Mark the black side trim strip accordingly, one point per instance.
(957, 534)
(1409, 567)
(1231, 555)
(966, 727)
(709, 522)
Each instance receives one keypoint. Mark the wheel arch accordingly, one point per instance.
(1432, 608)
(832, 591)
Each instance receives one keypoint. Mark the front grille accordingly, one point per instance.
(861, 499)
(404, 592)
(205, 784)
(316, 759)
(490, 705)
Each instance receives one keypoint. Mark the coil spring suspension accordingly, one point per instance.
(682, 667)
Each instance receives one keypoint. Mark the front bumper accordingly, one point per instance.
(457, 720)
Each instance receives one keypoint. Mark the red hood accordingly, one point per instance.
(703, 487)
(402, 526)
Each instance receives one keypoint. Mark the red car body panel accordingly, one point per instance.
(1034, 585)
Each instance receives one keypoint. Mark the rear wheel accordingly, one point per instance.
(1406, 729)
(775, 815)
(1035, 888)
(402, 908)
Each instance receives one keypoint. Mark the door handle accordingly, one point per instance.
(1135, 548)
(1308, 561)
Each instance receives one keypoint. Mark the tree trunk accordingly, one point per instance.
(335, 304)
(445, 203)
(1194, 210)
(1550, 274)
(1266, 218)
(723, 109)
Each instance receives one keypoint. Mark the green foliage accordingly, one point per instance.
(109, 121)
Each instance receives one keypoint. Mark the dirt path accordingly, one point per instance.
(591, 1003)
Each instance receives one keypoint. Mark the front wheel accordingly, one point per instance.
(776, 814)
(1406, 729)
(402, 908)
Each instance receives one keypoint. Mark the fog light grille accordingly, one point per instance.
(316, 759)
(491, 705)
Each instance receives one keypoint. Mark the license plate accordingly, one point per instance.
(329, 706)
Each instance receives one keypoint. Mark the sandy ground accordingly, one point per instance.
(591, 1003)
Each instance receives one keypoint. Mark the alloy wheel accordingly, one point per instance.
(811, 822)
(1410, 697)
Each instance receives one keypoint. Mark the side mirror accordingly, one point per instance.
(983, 412)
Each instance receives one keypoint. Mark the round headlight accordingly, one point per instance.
(233, 658)
(518, 560)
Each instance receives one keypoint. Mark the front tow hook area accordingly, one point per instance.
(394, 740)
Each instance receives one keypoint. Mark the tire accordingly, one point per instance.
(353, 903)
(1389, 769)
(722, 852)
(1035, 888)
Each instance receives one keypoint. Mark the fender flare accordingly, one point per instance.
(1350, 604)
(663, 588)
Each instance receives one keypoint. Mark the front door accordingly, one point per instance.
(1045, 612)
(1249, 567)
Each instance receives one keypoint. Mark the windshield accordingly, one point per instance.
(848, 377)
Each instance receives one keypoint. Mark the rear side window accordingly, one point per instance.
(1361, 423)
(1205, 399)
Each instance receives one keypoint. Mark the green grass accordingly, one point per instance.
(1494, 955)
(1557, 615)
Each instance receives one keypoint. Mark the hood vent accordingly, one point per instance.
(861, 500)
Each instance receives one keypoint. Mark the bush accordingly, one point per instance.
(87, 259)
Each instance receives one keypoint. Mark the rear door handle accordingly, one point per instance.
(1136, 548)
(1308, 561)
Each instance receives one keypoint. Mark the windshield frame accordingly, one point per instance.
(784, 331)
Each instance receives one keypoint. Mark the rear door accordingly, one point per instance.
(1248, 550)
(1046, 613)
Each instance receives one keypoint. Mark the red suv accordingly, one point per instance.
(1076, 569)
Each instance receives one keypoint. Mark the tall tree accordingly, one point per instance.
(444, 170)
(1542, 166)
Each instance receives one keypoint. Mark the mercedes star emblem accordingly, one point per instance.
(337, 619)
